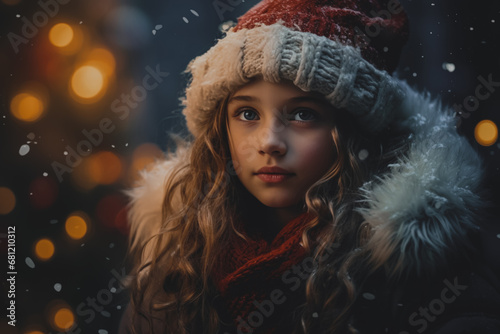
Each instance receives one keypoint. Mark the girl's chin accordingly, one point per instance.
(277, 203)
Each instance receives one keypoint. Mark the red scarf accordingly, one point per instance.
(261, 283)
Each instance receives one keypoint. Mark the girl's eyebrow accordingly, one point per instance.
(243, 98)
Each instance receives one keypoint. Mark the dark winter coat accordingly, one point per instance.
(425, 213)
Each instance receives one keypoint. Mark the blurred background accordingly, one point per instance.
(89, 95)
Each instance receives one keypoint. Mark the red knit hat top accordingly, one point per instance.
(378, 27)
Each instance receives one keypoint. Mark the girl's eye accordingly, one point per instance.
(247, 115)
(304, 115)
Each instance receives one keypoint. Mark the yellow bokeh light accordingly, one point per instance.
(87, 82)
(81, 176)
(7, 200)
(27, 107)
(486, 133)
(144, 155)
(104, 168)
(44, 249)
(76, 226)
(61, 35)
(34, 332)
(64, 318)
(103, 60)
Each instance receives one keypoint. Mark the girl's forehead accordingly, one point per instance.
(282, 90)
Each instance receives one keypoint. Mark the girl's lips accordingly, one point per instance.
(273, 174)
(274, 178)
(273, 170)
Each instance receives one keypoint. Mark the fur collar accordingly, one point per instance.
(421, 210)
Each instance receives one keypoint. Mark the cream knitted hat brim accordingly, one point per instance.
(311, 62)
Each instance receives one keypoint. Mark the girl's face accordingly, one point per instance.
(280, 140)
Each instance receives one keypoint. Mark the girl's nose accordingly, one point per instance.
(272, 138)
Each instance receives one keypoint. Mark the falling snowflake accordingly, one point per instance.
(194, 13)
(29, 262)
(363, 154)
(450, 67)
(57, 287)
(368, 296)
(157, 27)
(24, 149)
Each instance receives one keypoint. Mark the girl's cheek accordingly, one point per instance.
(315, 147)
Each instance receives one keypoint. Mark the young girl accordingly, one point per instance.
(318, 194)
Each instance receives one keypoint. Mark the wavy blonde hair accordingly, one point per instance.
(174, 285)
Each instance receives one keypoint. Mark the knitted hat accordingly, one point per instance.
(342, 49)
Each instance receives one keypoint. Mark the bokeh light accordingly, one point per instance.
(7, 200)
(111, 211)
(64, 318)
(61, 35)
(34, 332)
(27, 107)
(81, 177)
(44, 249)
(76, 225)
(143, 156)
(103, 60)
(87, 82)
(486, 132)
(104, 167)
(44, 191)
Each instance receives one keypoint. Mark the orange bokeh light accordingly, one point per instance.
(64, 318)
(104, 168)
(143, 156)
(102, 59)
(27, 107)
(486, 132)
(44, 249)
(87, 82)
(76, 226)
(7, 200)
(61, 35)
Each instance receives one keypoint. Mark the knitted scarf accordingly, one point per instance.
(262, 283)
